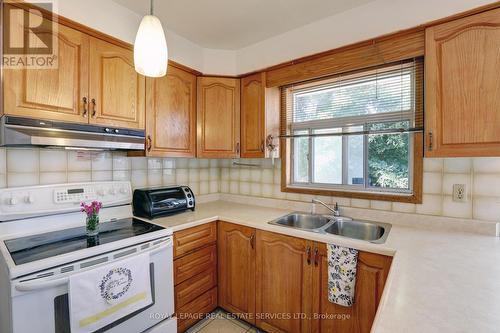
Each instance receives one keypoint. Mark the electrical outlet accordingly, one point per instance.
(459, 193)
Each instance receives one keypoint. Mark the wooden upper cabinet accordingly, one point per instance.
(55, 94)
(283, 283)
(171, 114)
(218, 121)
(372, 271)
(236, 254)
(462, 69)
(259, 116)
(117, 91)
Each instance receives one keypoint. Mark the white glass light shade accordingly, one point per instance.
(150, 48)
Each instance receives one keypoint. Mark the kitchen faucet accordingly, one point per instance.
(335, 210)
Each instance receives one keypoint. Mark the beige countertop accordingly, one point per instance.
(439, 281)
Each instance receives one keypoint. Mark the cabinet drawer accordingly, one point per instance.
(194, 287)
(191, 239)
(195, 263)
(194, 311)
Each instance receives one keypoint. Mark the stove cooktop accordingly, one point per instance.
(32, 248)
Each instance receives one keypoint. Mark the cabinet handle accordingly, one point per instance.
(308, 252)
(262, 146)
(252, 241)
(316, 256)
(237, 148)
(431, 141)
(149, 143)
(85, 109)
(93, 107)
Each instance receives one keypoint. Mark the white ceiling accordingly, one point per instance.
(234, 24)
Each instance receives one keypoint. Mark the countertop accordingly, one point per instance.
(439, 281)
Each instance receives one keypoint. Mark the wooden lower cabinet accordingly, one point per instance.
(236, 255)
(283, 283)
(191, 313)
(372, 271)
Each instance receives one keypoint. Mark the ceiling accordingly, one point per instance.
(234, 24)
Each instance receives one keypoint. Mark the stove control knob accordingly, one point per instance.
(123, 190)
(13, 201)
(101, 192)
(112, 191)
(29, 199)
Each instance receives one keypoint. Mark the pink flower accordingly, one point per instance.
(91, 209)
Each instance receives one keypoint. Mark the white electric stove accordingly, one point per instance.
(43, 242)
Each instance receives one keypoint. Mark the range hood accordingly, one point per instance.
(24, 132)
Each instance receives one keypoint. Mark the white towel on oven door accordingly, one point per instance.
(100, 296)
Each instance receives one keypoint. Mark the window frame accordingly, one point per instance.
(415, 152)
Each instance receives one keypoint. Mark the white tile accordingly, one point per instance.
(487, 209)
(204, 174)
(214, 163)
(224, 186)
(433, 182)
(346, 202)
(194, 175)
(103, 162)
(225, 174)
(277, 192)
(381, 205)
(52, 160)
(169, 177)
(214, 174)
(101, 176)
(244, 188)
(139, 178)
(3, 180)
(193, 163)
(154, 163)
(234, 187)
(277, 176)
(181, 176)
(292, 196)
(182, 163)
(403, 207)
(267, 176)
(121, 175)
(245, 175)
(3, 161)
(431, 205)
(267, 190)
(360, 203)
(306, 198)
(121, 162)
(450, 179)
(155, 177)
(195, 187)
(204, 187)
(256, 189)
(168, 163)
(487, 185)
(433, 164)
(203, 163)
(457, 209)
(225, 163)
(53, 178)
(234, 174)
(22, 179)
(214, 186)
(139, 163)
(256, 175)
(486, 165)
(457, 165)
(79, 176)
(22, 160)
(78, 161)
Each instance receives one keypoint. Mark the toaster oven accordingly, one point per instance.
(162, 201)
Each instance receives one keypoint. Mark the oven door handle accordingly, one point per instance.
(37, 285)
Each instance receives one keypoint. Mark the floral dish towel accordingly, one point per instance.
(342, 264)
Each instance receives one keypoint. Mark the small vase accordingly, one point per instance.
(92, 225)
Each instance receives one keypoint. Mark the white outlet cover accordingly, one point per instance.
(459, 193)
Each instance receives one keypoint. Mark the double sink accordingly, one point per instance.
(373, 232)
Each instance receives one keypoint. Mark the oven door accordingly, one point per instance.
(41, 305)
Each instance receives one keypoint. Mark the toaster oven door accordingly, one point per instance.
(168, 199)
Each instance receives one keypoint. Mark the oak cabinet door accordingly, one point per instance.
(236, 254)
(117, 91)
(218, 123)
(283, 288)
(372, 271)
(253, 114)
(171, 114)
(463, 87)
(53, 94)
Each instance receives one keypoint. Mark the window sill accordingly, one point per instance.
(415, 198)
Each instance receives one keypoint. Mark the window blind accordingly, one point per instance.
(389, 93)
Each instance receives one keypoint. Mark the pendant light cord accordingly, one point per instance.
(151, 8)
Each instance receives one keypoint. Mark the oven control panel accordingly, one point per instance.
(22, 202)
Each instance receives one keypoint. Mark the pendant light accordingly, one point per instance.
(150, 47)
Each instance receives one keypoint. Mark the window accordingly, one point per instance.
(356, 133)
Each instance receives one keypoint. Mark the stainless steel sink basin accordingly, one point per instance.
(302, 221)
(374, 232)
(358, 230)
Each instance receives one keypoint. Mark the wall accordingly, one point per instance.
(24, 167)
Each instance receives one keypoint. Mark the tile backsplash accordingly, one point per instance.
(31, 166)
